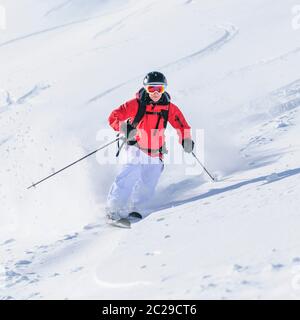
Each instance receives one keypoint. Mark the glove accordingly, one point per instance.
(188, 145)
(128, 130)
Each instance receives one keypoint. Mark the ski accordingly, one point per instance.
(124, 222)
(120, 223)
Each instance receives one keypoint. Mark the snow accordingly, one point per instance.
(232, 69)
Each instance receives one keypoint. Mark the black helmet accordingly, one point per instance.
(155, 77)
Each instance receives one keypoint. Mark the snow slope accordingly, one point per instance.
(232, 68)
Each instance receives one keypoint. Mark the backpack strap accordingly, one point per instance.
(165, 115)
(140, 113)
(162, 114)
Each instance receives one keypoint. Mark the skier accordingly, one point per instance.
(141, 122)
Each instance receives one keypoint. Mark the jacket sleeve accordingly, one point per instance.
(121, 114)
(178, 121)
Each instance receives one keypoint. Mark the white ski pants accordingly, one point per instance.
(135, 185)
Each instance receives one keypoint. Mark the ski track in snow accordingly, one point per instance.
(23, 273)
(47, 30)
(80, 21)
(263, 62)
(229, 32)
(266, 130)
(57, 8)
(5, 99)
(284, 106)
(251, 67)
(120, 22)
(18, 273)
(289, 97)
(50, 29)
(29, 269)
(32, 268)
(25, 98)
(4, 141)
(35, 91)
(265, 179)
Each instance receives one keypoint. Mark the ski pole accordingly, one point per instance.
(212, 178)
(88, 155)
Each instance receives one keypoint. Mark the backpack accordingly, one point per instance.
(142, 111)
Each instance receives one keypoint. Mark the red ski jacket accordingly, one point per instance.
(150, 130)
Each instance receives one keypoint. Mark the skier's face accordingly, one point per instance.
(155, 96)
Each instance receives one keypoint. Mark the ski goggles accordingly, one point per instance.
(160, 88)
